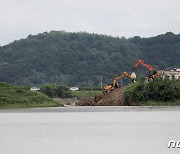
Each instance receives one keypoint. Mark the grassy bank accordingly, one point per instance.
(12, 96)
(29, 105)
(161, 103)
(85, 93)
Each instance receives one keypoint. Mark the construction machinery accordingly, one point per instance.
(114, 85)
(152, 72)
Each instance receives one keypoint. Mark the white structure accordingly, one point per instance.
(35, 89)
(175, 72)
(74, 88)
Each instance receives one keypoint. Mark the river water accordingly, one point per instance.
(90, 130)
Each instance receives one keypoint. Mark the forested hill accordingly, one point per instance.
(82, 59)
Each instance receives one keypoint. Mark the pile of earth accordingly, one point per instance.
(112, 98)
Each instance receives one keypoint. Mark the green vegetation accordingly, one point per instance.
(53, 90)
(58, 91)
(86, 93)
(161, 103)
(156, 92)
(12, 96)
(82, 59)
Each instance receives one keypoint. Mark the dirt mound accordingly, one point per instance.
(113, 98)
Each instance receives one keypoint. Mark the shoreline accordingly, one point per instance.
(92, 109)
(71, 102)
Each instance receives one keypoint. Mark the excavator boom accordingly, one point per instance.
(154, 72)
(120, 76)
(140, 61)
(113, 85)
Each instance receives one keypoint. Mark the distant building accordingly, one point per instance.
(74, 88)
(35, 89)
(174, 72)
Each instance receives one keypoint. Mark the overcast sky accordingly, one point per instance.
(145, 18)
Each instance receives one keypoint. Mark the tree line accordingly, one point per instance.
(83, 59)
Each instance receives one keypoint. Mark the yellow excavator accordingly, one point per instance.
(113, 85)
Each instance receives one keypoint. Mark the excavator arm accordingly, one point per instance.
(140, 61)
(154, 72)
(113, 84)
(119, 77)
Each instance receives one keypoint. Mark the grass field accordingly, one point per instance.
(85, 93)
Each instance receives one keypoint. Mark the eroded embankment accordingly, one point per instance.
(113, 98)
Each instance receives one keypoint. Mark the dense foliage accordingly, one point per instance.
(82, 59)
(53, 90)
(19, 96)
(156, 90)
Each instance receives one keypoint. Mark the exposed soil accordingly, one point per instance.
(112, 98)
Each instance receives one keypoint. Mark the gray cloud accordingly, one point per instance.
(145, 18)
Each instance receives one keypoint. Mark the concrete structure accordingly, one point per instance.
(174, 72)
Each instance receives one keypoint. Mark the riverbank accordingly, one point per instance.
(66, 101)
(92, 109)
(161, 103)
(28, 105)
(71, 102)
(12, 96)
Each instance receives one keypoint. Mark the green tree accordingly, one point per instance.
(53, 90)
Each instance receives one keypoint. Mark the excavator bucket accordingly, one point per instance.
(133, 76)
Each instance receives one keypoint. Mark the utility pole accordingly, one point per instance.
(101, 82)
(121, 81)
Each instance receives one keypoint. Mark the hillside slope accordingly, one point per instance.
(82, 59)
